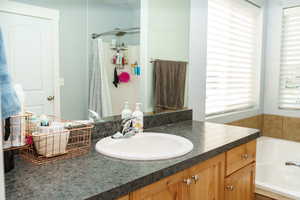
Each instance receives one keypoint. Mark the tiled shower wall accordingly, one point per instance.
(273, 126)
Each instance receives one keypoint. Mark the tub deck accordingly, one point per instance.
(273, 177)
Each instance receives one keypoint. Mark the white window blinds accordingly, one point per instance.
(232, 56)
(289, 94)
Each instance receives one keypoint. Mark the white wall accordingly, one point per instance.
(271, 95)
(198, 50)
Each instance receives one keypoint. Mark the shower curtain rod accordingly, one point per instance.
(117, 32)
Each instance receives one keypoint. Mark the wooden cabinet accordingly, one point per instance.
(229, 176)
(170, 188)
(208, 179)
(124, 198)
(204, 181)
(240, 185)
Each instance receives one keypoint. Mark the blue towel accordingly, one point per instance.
(10, 104)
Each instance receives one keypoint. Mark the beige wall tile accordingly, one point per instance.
(291, 128)
(251, 122)
(260, 119)
(273, 126)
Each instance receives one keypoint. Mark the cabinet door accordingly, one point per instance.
(208, 180)
(170, 188)
(240, 185)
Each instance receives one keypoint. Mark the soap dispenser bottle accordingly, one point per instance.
(126, 112)
(138, 118)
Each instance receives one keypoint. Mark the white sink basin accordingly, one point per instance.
(145, 146)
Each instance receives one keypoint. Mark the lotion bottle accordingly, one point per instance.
(138, 121)
(126, 112)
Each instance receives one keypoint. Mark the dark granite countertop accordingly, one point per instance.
(94, 176)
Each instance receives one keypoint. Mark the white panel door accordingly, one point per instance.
(30, 54)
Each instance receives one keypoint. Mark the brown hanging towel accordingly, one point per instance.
(170, 77)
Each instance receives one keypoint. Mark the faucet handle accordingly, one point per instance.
(124, 121)
(126, 125)
(291, 163)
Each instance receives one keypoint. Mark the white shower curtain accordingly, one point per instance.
(99, 95)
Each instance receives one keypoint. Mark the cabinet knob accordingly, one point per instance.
(196, 178)
(245, 156)
(187, 181)
(230, 188)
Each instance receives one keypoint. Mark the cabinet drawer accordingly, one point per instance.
(240, 156)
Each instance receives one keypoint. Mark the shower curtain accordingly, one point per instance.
(99, 95)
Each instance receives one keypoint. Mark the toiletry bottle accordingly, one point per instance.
(138, 70)
(44, 121)
(132, 69)
(126, 112)
(138, 121)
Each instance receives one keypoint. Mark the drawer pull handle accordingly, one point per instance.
(196, 178)
(230, 188)
(188, 181)
(245, 156)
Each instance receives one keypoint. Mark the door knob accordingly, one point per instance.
(50, 98)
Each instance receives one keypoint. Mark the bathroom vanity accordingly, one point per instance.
(228, 176)
(221, 166)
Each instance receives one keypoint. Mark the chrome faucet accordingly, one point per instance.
(127, 129)
(291, 163)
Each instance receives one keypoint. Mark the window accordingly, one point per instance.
(289, 94)
(232, 56)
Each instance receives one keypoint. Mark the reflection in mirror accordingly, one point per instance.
(114, 58)
(74, 55)
(168, 55)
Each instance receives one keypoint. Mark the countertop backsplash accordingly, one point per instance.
(113, 124)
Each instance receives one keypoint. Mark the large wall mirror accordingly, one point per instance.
(72, 56)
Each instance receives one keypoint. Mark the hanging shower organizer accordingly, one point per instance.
(120, 58)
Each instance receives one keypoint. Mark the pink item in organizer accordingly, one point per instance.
(124, 77)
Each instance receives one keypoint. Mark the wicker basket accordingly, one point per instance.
(57, 143)
(51, 144)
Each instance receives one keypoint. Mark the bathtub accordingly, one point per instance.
(271, 173)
